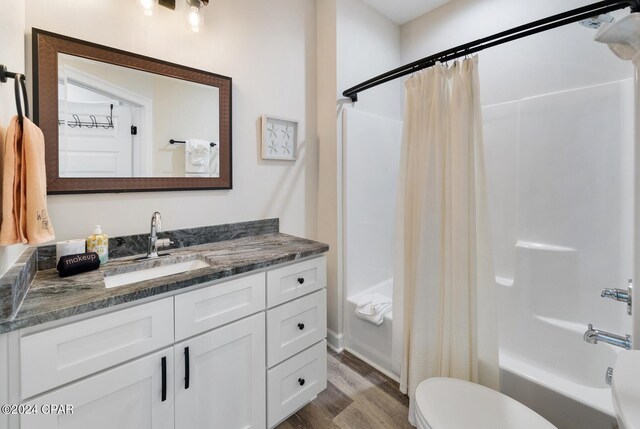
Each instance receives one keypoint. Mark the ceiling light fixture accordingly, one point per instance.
(147, 6)
(194, 15)
(195, 18)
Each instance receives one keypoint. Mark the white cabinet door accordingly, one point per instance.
(136, 395)
(222, 383)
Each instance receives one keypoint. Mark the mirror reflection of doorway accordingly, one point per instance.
(101, 132)
(100, 150)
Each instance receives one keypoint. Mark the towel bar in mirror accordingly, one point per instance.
(108, 117)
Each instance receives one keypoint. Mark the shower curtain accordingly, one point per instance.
(444, 284)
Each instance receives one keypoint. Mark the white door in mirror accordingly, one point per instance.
(87, 150)
(625, 389)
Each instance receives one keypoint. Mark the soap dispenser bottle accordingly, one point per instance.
(99, 243)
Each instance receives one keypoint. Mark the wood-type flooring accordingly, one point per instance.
(357, 397)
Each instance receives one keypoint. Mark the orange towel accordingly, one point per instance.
(35, 217)
(25, 218)
(10, 232)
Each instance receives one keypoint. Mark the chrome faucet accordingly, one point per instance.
(156, 226)
(592, 336)
(620, 295)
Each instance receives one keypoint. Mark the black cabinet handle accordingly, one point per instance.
(164, 378)
(301, 381)
(301, 326)
(186, 367)
(301, 280)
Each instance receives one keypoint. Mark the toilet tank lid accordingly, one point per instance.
(449, 403)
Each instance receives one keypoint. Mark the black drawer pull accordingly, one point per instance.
(301, 381)
(301, 280)
(164, 378)
(301, 326)
(186, 367)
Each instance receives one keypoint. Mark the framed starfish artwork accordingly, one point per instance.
(279, 138)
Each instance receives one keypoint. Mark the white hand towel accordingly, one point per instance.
(373, 308)
(215, 161)
(196, 157)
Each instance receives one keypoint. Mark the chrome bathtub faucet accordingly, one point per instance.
(593, 336)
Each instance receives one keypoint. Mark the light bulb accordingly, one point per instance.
(194, 18)
(147, 6)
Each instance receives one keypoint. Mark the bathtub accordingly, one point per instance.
(366, 341)
(566, 404)
(570, 392)
(546, 365)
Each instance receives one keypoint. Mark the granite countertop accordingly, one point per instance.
(51, 298)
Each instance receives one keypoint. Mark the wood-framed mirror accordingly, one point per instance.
(116, 121)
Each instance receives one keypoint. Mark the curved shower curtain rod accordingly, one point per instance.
(515, 33)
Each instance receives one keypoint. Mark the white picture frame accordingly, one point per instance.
(279, 138)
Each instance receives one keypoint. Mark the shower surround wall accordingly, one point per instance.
(371, 161)
(560, 171)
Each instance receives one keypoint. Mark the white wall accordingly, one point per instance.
(328, 162)
(173, 108)
(12, 28)
(368, 45)
(268, 48)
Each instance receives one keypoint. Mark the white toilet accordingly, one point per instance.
(449, 403)
(625, 389)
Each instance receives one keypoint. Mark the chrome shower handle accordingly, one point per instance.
(620, 295)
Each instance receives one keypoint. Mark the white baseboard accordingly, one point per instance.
(388, 373)
(335, 341)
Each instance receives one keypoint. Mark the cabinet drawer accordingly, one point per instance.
(295, 382)
(293, 281)
(296, 325)
(216, 305)
(60, 355)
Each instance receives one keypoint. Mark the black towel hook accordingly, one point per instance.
(20, 86)
(17, 88)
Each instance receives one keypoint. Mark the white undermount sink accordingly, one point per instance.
(625, 389)
(140, 275)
